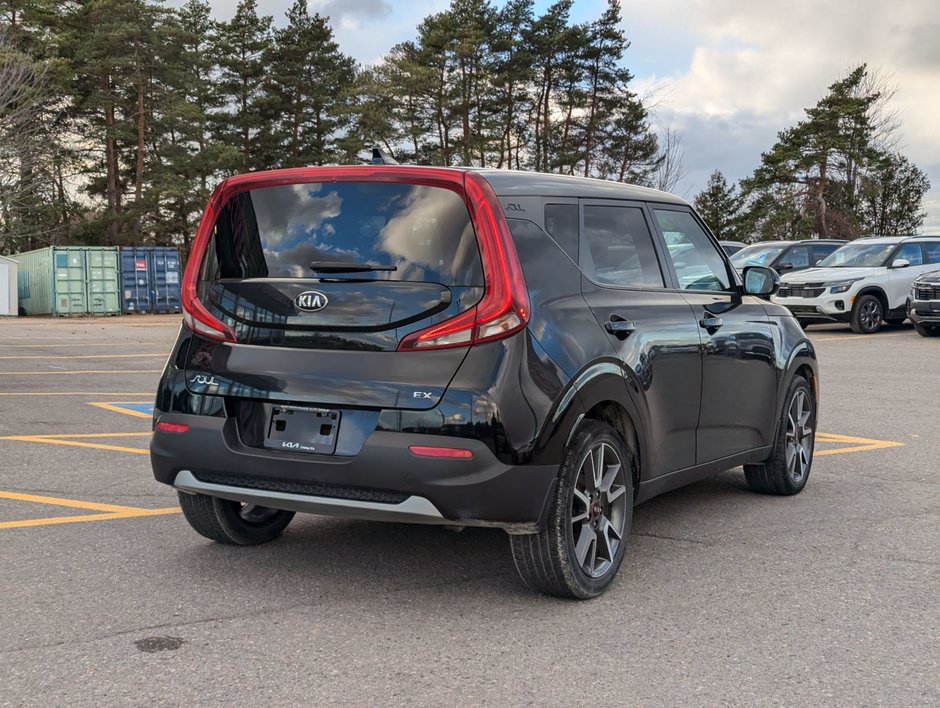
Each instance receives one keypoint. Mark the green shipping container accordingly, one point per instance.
(69, 280)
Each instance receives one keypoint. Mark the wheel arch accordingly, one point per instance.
(878, 292)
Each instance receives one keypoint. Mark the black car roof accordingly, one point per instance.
(539, 184)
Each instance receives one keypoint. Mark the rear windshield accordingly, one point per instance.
(278, 232)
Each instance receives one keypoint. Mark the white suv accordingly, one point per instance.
(866, 283)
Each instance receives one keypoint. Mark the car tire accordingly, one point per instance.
(927, 331)
(785, 472)
(233, 523)
(578, 553)
(867, 315)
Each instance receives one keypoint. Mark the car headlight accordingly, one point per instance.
(840, 286)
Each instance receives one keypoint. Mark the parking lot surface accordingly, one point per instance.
(108, 597)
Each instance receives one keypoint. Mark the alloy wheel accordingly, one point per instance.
(599, 509)
(799, 436)
(870, 314)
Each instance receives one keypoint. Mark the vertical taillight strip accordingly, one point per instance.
(504, 308)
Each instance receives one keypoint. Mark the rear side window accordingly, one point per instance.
(933, 251)
(621, 247)
(277, 232)
(561, 223)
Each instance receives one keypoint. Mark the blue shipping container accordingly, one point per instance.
(150, 279)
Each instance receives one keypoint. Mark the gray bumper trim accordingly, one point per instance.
(415, 510)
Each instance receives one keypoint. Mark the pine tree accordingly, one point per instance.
(307, 79)
(892, 197)
(242, 46)
(718, 205)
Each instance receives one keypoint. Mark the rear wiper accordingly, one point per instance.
(348, 267)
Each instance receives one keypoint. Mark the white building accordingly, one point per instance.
(8, 301)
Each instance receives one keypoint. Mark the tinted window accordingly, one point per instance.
(276, 232)
(798, 257)
(911, 253)
(698, 263)
(621, 247)
(561, 222)
(822, 251)
(933, 251)
(755, 255)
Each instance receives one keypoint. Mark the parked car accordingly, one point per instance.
(866, 283)
(731, 247)
(471, 347)
(924, 306)
(786, 256)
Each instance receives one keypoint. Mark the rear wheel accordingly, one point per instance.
(927, 330)
(787, 469)
(231, 522)
(867, 315)
(580, 550)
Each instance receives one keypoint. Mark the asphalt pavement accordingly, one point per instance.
(107, 597)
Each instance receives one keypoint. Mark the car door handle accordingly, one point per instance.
(619, 327)
(710, 324)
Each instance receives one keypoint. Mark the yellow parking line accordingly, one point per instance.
(77, 435)
(91, 356)
(65, 440)
(71, 503)
(856, 444)
(126, 411)
(72, 346)
(89, 371)
(52, 520)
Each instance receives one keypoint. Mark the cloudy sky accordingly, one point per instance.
(725, 74)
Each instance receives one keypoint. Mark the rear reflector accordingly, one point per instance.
(173, 427)
(423, 451)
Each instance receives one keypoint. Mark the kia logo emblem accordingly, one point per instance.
(311, 301)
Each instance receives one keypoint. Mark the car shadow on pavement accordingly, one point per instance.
(319, 557)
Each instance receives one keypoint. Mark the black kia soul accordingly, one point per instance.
(471, 348)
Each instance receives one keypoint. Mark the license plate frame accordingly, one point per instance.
(303, 429)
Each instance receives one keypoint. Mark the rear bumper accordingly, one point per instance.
(384, 482)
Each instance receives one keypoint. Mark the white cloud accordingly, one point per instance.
(754, 66)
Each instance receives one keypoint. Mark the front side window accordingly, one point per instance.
(698, 263)
(798, 257)
(911, 253)
(621, 247)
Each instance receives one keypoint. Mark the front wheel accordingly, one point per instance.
(787, 469)
(867, 315)
(233, 523)
(580, 550)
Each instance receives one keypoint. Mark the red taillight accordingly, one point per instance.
(172, 427)
(195, 314)
(504, 308)
(452, 452)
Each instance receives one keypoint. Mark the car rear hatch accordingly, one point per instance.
(348, 286)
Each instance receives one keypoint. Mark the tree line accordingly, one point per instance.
(130, 111)
(117, 117)
(835, 174)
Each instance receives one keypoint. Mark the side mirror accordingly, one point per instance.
(900, 263)
(761, 281)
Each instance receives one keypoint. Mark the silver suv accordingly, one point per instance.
(866, 283)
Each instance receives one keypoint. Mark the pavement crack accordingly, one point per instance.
(673, 538)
